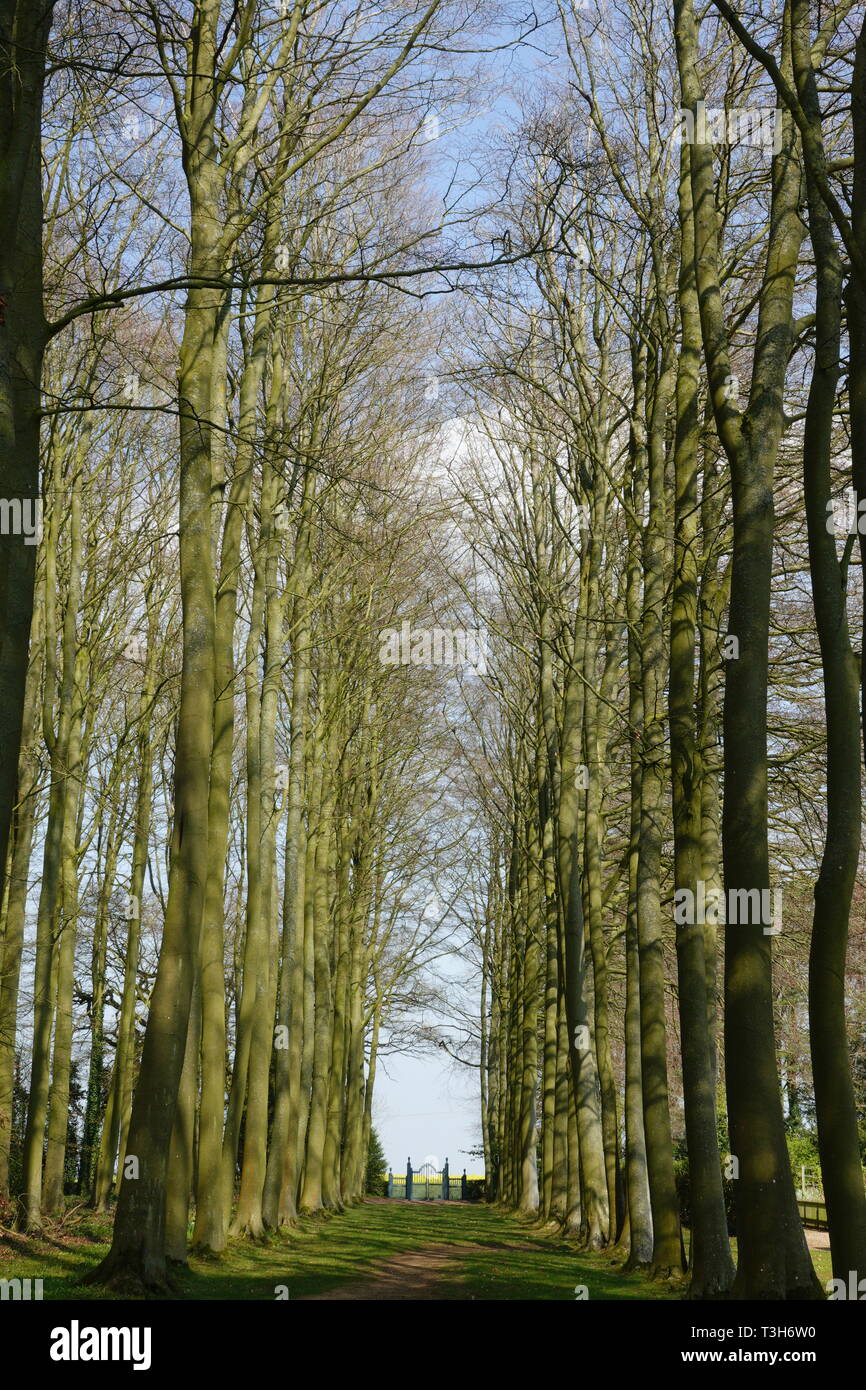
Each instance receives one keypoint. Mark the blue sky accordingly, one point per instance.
(424, 1105)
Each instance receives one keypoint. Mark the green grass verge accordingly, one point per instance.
(515, 1260)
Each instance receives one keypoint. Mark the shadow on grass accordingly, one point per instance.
(515, 1259)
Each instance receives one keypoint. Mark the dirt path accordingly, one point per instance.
(409, 1276)
(817, 1240)
(412, 1276)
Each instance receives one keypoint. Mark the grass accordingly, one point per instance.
(515, 1259)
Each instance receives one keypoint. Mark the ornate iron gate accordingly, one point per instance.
(427, 1184)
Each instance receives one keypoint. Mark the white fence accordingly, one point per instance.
(810, 1187)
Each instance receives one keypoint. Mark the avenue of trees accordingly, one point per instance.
(667, 757)
(225, 807)
(281, 381)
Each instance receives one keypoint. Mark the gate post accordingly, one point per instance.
(408, 1179)
(446, 1184)
(464, 1187)
(390, 1183)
